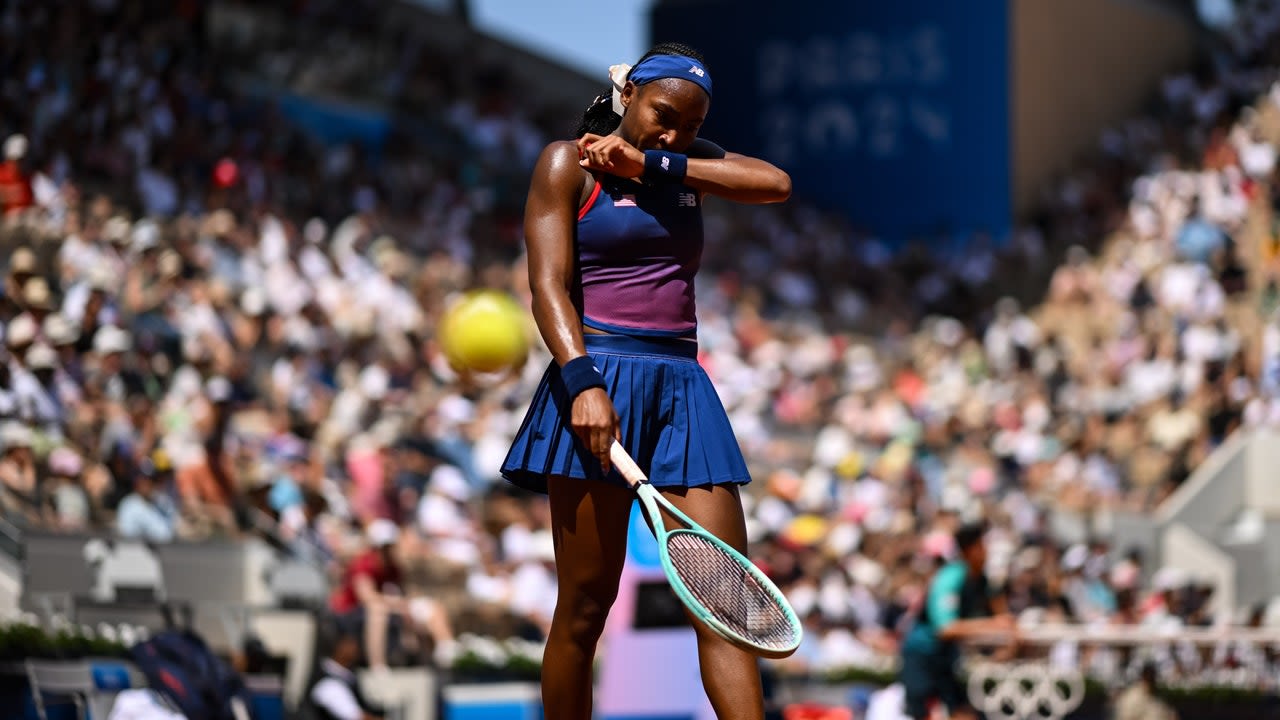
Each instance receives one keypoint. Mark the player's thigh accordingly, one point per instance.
(718, 508)
(589, 529)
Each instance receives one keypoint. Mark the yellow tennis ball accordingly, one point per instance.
(484, 331)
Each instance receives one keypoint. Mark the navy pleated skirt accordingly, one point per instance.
(671, 420)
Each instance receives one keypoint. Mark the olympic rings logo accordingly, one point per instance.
(1024, 690)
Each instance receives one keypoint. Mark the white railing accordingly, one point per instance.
(1136, 635)
(1044, 674)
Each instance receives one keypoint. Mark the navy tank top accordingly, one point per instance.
(639, 248)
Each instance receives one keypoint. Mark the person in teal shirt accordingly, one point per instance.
(958, 606)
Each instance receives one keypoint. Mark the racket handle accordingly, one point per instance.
(625, 465)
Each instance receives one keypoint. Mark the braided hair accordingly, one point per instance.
(599, 117)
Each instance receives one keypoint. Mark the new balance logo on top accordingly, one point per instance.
(687, 200)
(666, 163)
(698, 71)
(625, 201)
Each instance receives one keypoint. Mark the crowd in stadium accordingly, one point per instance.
(213, 326)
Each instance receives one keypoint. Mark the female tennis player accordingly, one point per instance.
(613, 226)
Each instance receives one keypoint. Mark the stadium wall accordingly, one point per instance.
(1078, 67)
(923, 117)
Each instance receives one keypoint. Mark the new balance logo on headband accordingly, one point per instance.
(657, 67)
(687, 200)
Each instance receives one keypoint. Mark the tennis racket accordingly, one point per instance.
(721, 588)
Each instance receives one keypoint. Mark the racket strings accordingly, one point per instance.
(729, 592)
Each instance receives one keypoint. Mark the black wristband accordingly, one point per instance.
(663, 166)
(580, 374)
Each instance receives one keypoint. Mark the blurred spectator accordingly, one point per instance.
(1138, 701)
(15, 183)
(68, 504)
(372, 593)
(147, 513)
(333, 692)
(21, 495)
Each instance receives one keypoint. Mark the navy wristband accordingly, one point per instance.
(663, 166)
(580, 374)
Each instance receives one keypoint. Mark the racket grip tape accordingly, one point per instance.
(625, 465)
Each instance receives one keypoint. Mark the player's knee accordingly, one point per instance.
(585, 611)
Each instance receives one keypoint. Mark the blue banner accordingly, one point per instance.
(896, 113)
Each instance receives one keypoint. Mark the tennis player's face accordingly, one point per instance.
(664, 114)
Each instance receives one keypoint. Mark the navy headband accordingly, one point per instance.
(658, 67)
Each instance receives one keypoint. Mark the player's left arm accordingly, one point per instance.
(740, 178)
(709, 169)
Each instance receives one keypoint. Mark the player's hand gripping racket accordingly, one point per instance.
(721, 588)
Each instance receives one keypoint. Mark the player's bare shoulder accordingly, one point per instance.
(558, 171)
(560, 156)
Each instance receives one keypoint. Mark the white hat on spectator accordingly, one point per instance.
(381, 244)
(102, 279)
(15, 147)
(1074, 558)
(382, 532)
(41, 357)
(23, 261)
(448, 481)
(359, 321)
(170, 264)
(455, 410)
(866, 572)
(1168, 578)
(35, 294)
(374, 382)
(186, 384)
(14, 434)
(111, 339)
(315, 231)
(59, 331)
(117, 230)
(843, 538)
(387, 257)
(21, 332)
(948, 332)
(218, 389)
(253, 302)
(1027, 559)
(146, 235)
(386, 430)
(301, 334)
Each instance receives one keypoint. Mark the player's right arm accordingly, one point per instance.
(550, 217)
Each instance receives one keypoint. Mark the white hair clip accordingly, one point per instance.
(618, 76)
